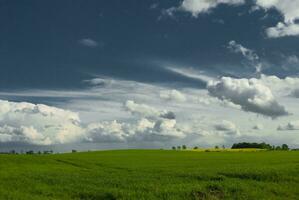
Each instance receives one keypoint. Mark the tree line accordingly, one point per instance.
(263, 145)
(243, 145)
(30, 152)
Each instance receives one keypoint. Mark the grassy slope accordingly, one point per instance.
(151, 174)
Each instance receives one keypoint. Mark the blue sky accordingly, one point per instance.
(148, 73)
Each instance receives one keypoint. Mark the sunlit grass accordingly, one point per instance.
(151, 174)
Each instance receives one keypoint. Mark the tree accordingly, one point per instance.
(184, 147)
(173, 148)
(254, 145)
(223, 147)
(285, 147)
(179, 147)
(74, 151)
(278, 148)
(30, 152)
(13, 152)
(216, 147)
(195, 147)
(48, 152)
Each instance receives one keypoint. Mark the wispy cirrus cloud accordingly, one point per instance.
(249, 54)
(88, 42)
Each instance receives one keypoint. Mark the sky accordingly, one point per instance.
(148, 74)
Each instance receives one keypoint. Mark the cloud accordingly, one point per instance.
(172, 95)
(151, 125)
(106, 132)
(258, 127)
(88, 42)
(168, 115)
(291, 126)
(289, 10)
(142, 130)
(191, 73)
(197, 7)
(289, 62)
(280, 86)
(282, 30)
(38, 124)
(154, 6)
(295, 93)
(227, 127)
(293, 59)
(238, 48)
(100, 82)
(250, 94)
(247, 53)
(160, 130)
(110, 112)
(141, 109)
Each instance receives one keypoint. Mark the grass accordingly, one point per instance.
(151, 174)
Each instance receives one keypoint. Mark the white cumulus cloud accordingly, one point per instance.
(196, 7)
(38, 124)
(172, 95)
(289, 10)
(250, 94)
(282, 30)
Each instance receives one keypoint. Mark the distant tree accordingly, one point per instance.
(173, 148)
(255, 145)
(195, 147)
(278, 148)
(12, 152)
(285, 147)
(184, 147)
(74, 151)
(30, 152)
(223, 147)
(178, 147)
(48, 152)
(216, 147)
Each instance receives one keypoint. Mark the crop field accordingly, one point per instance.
(151, 174)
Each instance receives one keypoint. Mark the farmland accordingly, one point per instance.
(151, 174)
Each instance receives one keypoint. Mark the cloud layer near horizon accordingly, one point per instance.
(40, 124)
(118, 111)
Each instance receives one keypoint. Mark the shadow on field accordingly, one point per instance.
(94, 196)
(273, 177)
(201, 177)
(213, 192)
(71, 164)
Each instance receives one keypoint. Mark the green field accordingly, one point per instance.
(151, 174)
